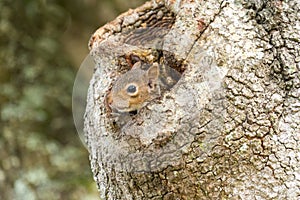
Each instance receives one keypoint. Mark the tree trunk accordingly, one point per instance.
(230, 127)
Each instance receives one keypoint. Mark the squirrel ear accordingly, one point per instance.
(153, 72)
(137, 65)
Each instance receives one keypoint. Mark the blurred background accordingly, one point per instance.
(42, 45)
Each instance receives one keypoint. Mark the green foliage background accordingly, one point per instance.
(41, 46)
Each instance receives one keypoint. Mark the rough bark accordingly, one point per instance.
(229, 129)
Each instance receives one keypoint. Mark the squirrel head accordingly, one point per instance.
(134, 88)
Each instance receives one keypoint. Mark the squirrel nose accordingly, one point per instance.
(120, 104)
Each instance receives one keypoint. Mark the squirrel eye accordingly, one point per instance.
(132, 90)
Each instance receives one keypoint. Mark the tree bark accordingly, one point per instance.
(229, 129)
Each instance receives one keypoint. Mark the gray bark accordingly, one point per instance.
(229, 129)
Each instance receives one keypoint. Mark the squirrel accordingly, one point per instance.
(143, 83)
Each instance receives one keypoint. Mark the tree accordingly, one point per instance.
(230, 127)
